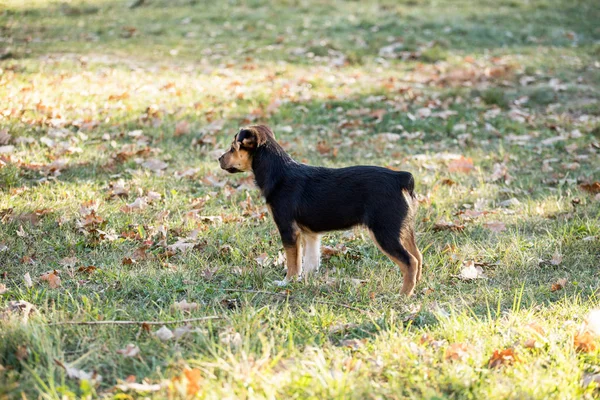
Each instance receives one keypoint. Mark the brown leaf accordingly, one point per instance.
(155, 165)
(87, 269)
(130, 351)
(52, 278)
(323, 147)
(591, 188)
(495, 226)
(464, 165)
(447, 226)
(558, 285)
(182, 128)
(584, 341)
(448, 182)
(183, 305)
(556, 258)
(503, 357)
(457, 352)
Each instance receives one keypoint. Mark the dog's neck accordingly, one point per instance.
(269, 164)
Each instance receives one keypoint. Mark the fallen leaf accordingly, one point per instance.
(495, 226)
(503, 357)
(183, 305)
(52, 278)
(353, 344)
(556, 258)
(590, 378)
(194, 378)
(182, 128)
(591, 188)
(447, 226)
(155, 165)
(81, 375)
(462, 164)
(138, 387)
(470, 271)
(164, 334)
(3, 288)
(558, 285)
(131, 350)
(457, 352)
(584, 341)
(263, 259)
(87, 269)
(27, 279)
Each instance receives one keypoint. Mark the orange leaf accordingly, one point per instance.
(558, 285)
(457, 352)
(193, 377)
(584, 342)
(591, 188)
(462, 164)
(182, 128)
(52, 278)
(502, 357)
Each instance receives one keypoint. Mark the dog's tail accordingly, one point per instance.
(407, 183)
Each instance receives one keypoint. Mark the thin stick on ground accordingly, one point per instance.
(178, 321)
(288, 296)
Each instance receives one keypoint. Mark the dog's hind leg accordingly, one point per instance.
(389, 242)
(407, 238)
(312, 252)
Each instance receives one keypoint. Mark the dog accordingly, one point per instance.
(307, 201)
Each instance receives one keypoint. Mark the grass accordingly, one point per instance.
(93, 90)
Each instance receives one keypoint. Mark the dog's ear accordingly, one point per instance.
(251, 137)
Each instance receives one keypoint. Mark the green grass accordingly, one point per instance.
(508, 84)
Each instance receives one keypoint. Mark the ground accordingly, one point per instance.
(113, 206)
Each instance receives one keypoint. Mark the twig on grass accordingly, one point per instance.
(288, 296)
(177, 321)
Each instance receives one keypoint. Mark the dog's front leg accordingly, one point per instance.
(312, 253)
(292, 243)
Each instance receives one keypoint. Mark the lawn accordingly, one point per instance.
(113, 206)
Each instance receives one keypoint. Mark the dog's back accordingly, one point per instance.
(334, 199)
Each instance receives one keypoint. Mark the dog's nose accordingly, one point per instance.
(220, 158)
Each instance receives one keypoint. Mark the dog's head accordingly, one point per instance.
(245, 143)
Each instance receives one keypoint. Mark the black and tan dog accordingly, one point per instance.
(307, 201)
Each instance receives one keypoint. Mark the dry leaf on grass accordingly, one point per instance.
(495, 226)
(462, 164)
(79, 374)
(131, 350)
(183, 305)
(591, 188)
(503, 358)
(3, 288)
(558, 285)
(193, 379)
(52, 278)
(556, 258)
(155, 165)
(584, 341)
(447, 226)
(470, 271)
(28, 281)
(182, 128)
(457, 352)
(138, 387)
(164, 334)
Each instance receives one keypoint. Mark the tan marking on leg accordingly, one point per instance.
(409, 271)
(312, 252)
(407, 239)
(293, 255)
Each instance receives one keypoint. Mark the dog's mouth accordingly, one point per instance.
(232, 170)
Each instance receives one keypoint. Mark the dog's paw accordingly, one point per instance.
(280, 283)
